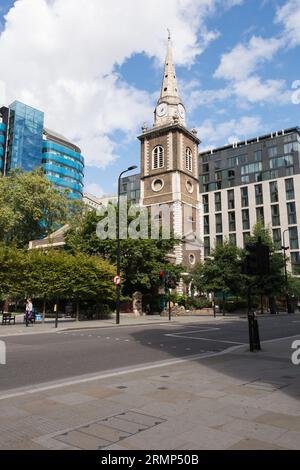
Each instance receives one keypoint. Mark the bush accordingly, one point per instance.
(235, 306)
(199, 303)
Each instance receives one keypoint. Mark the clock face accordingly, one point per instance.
(181, 111)
(161, 109)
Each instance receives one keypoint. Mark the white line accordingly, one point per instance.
(195, 331)
(205, 339)
(115, 373)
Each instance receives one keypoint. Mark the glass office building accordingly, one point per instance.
(25, 144)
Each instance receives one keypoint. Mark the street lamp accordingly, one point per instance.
(285, 248)
(118, 284)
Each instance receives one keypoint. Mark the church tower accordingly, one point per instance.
(169, 166)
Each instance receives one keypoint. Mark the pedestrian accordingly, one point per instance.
(29, 311)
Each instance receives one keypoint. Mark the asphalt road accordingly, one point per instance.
(39, 358)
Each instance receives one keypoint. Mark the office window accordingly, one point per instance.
(219, 240)
(246, 237)
(294, 242)
(231, 173)
(205, 203)
(218, 202)
(258, 177)
(278, 162)
(259, 194)
(274, 191)
(231, 221)
(245, 219)
(218, 175)
(289, 189)
(205, 168)
(206, 225)
(292, 147)
(277, 238)
(244, 197)
(218, 164)
(275, 215)
(205, 178)
(232, 239)
(251, 168)
(230, 199)
(292, 217)
(206, 247)
(260, 215)
(272, 152)
(295, 261)
(205, 158)
(258, 156)
(219, 228)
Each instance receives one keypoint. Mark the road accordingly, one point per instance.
(40, 358)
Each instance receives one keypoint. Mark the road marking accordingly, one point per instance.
(114, 373)
(178, 335)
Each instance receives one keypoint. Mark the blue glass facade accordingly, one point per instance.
(30, 146)
(63, 165)
(26, 126)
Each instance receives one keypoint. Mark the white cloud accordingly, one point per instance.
(243, 60)
(216, 134)
(254, 90)
(61, 56)
(289, 16)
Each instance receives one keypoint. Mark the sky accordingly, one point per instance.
(95, 68)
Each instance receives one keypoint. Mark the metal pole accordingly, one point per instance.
(170, 316)
(287, 297)
(250, 321)
(118, 255)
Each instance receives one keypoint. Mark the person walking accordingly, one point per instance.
(29, 311)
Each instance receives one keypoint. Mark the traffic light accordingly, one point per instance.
(257, 260)
(162, 277)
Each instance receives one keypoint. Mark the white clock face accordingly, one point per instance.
(181, 111)
(161, 109)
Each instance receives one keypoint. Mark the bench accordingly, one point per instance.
(7, 318)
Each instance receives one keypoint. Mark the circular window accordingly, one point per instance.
(157, 185)
(192, 258)
(189, 186)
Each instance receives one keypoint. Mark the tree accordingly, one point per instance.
(13, 272)
(221, 272)
(31, 207)
(141, 259)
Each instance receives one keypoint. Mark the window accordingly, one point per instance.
(218, 202)
(272, 151)
(206, 225)
(232, 239)
(278, 162)
(230, 199)
(205, 203)
(295, 260)
(219, 228)
(246, 237)
(231, 221)
(251, 168)
(277, 238)
(258, 156)
(218, 175)
(274, 191)
(260, 215)
(236, 161)
(157, 158)
(244, 196)
(205, 178)
(245, 179)
(292, 147)
(275, 215)
(291, 209)
(245, 219)
(259, 194)
(289, 189)
(206, 247)
(231, 173)
(294, 242)
(189, 159)
(218, 164)
(205, 168)
(219, 240)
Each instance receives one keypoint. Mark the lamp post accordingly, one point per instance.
(285, 248)
(119, 245)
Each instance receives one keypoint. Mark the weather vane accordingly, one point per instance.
(169, 34)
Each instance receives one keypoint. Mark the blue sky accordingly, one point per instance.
(96, 72)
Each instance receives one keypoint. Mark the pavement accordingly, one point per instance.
(208, 393)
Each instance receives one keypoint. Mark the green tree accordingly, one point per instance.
(31, 208)
(141, 259)
(13, 273)
(221, 272)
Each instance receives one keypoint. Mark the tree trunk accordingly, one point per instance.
(223, 304)
(262, 304)
(77, 311)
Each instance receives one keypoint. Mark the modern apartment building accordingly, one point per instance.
(131, 187)
(258, 179)
(25, 144)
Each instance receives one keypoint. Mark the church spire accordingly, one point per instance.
(169, 89)
(169, 107)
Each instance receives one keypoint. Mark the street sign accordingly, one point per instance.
(117, 280)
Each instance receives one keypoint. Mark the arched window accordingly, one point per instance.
(157, 157)
(188, 159)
